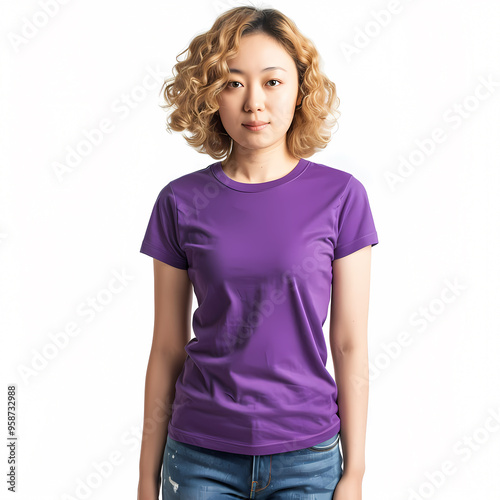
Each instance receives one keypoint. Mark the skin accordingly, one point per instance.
(173, 293)
(349, 346)
(254, 95)
(260, 157)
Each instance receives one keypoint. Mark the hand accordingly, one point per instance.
(348, 488)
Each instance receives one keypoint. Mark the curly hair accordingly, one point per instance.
(199, 78)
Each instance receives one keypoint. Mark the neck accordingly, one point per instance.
(253, 166)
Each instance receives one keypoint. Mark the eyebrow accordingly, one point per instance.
(234, 70)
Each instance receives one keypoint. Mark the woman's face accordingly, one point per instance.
(263, 88)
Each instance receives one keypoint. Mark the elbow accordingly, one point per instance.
(344, 349)
(350, 339)
(352, 345)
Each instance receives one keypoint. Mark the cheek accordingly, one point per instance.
(224, 115)
(227, 110)
(224, 103)
(284, 110)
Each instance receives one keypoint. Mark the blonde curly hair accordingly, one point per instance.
(199, 78)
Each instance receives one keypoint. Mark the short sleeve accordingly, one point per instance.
(161, 240)
(356, 228)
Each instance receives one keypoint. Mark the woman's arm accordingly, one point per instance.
(171, 333)
(349, 345)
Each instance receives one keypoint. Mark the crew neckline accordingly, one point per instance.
(252, 187)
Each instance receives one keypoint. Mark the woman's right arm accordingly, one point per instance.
(171, 332)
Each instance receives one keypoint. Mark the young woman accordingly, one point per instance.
(247, 408)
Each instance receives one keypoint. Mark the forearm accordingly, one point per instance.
(162, 373)
(351, 376)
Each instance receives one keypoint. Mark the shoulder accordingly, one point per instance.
(187, 186)
(191, 179)
(327, 171)
(338, 182)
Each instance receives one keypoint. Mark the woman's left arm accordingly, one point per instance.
(349, 345)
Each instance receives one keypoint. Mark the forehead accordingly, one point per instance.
(258, 51)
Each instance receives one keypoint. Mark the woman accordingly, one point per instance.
(247, 408)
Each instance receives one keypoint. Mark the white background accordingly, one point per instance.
(63, 236)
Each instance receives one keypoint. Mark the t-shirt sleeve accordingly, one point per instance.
(356, 228)
(161, 240)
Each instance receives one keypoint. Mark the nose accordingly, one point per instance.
(254, 99)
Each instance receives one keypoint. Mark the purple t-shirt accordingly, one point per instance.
(260, 257)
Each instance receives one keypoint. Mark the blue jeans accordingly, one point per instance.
(195, 473)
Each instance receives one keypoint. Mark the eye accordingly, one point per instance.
(233, 84)
(274, 81)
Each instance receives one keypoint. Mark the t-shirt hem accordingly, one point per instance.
(246, 449)
(353, 246)
(149, 249)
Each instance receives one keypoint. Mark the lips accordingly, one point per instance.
(256, 125)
